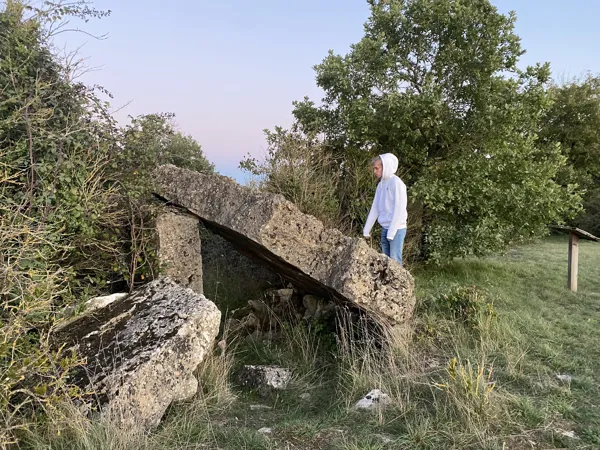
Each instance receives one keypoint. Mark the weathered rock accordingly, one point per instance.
(385, 438)
(372, 399)
(101, 302)
(262, 312)
(316, 307)
(141, 350)
(311, 303)
(179, 248)
(272, 230)
(265, 378)
(282, 298)
(565, 378)
(260, 407)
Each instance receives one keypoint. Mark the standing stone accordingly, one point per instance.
(141, 350)
(179, 248)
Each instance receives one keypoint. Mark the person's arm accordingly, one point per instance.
(372, 217)
(399, 207)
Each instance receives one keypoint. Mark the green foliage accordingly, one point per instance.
(467, 304)
(52, 159)
(589, 220)
(469, 388)
(33, 287)
(574, 121)
(57, 211)
(302, 171)
(149, 141)
(74, 217)
(436, 83)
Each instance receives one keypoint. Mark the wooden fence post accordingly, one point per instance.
(574, 235)
(573, 261)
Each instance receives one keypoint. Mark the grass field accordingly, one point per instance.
(480, 371)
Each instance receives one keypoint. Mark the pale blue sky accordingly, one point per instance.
(230, 68)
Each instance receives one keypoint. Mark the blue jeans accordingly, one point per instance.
(393, 248)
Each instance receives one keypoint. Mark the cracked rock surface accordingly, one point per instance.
(141, 350)
(180, 248)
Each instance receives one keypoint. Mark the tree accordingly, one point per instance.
(151, 140)
(436, 82)
(573, 120)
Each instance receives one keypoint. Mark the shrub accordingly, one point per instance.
(469, 389)
(302, 171)
(467, 304)
(75, 221)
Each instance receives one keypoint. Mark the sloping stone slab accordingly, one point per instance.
(141, 350)
(271, 229)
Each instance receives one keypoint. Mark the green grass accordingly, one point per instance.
(539, 329)
(547, 330)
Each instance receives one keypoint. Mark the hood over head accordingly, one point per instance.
(389, 162)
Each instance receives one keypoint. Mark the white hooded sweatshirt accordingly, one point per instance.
(389, 204)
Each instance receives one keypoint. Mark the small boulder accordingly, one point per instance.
(372, 399)
(311, 303)
(259, 407)
(264, 378)
(281, 297)
(141, 350)
(565, 378)
(386, 439)
(570, 434)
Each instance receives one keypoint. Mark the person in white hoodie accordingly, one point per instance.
(389, 206)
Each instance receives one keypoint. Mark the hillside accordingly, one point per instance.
(523, 329)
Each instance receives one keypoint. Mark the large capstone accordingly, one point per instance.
(274, 231)
(142, 350)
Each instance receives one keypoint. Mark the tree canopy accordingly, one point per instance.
(437, 83)
(573, 120)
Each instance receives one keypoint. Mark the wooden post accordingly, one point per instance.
(574, 235)
(573, 261)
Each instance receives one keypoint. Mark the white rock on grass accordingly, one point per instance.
(373, 398)
(265, 430)
(569, 434)
(259, 407)
(565, 378)
(385, 438)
